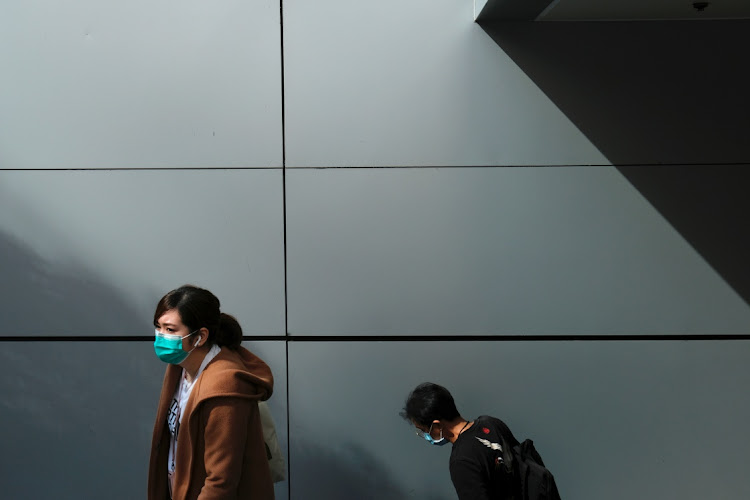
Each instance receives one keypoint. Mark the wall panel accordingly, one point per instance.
(512, 251)
(140, 84)
(95, 250)
(397, 83)
(612, 419)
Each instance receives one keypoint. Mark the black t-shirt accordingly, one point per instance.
(476, 461)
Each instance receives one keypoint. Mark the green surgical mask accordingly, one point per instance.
(168, 347)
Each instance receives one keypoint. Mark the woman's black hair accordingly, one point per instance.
(200, 308)
(429, 402)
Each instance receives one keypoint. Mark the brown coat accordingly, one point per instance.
(220, 448)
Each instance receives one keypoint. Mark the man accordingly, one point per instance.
(476, 463)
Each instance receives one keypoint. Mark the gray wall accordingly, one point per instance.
(414, 180)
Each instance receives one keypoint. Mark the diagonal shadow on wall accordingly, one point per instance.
(76, 416)
(38, 298)
(667, 103)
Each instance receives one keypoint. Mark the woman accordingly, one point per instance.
(208, 440)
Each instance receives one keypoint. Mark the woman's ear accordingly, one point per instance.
(202, 337)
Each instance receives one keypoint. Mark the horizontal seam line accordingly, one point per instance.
(382, 167)
(399, 338)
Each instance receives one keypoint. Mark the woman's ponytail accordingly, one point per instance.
(229, 332)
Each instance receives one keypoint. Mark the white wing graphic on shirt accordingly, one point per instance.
(493, 446)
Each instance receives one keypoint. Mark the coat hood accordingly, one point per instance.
(233, 373)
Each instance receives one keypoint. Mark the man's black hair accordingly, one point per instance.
(429, 402)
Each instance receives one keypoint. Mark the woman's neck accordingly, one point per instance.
(193, 362)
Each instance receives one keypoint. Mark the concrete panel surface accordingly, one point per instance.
(416, 83)
(91, 252)
(140, 84)
(611, 419)
(512, 251)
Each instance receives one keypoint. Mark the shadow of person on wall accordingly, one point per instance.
(344, 472)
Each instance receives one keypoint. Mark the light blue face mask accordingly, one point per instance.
(437, 442)
(168, 347)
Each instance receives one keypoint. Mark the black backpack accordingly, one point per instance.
(524, 465)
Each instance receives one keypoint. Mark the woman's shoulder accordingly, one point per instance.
(237, 373)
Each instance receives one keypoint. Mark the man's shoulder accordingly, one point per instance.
(486, 434)
(494, 424)
(482, 436)
(487, 425)
(478, 447)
